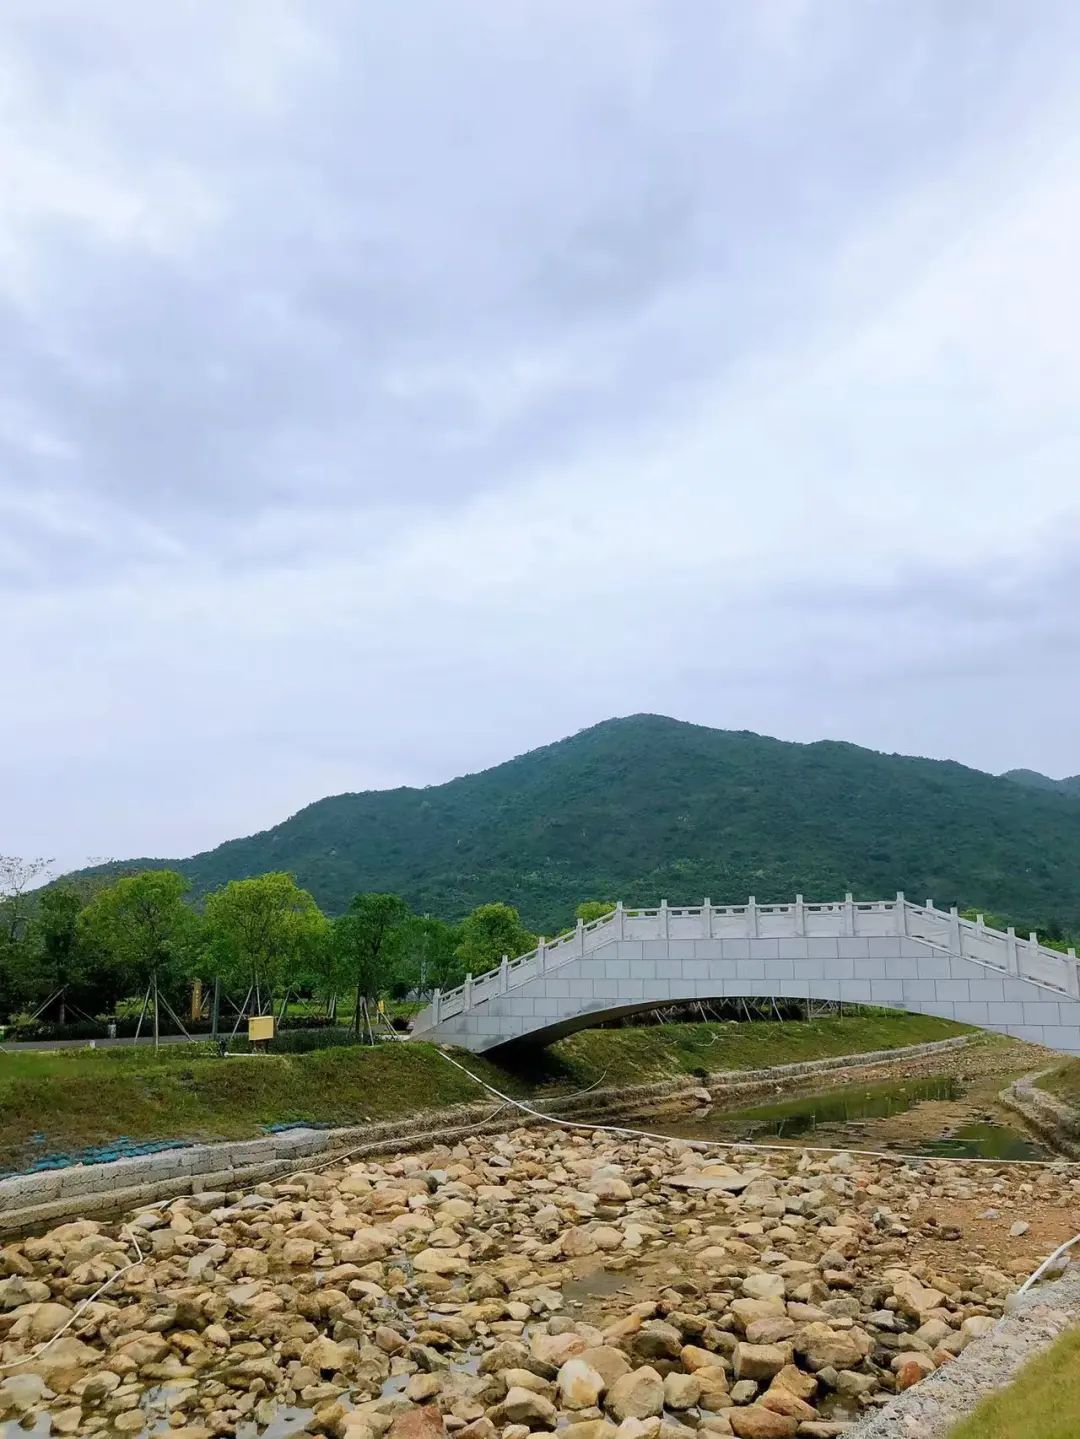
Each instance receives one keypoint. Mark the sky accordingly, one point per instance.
(387, 390)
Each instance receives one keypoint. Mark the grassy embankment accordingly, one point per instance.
(55, 1101)
(1064, 1081)
(1042, 1403)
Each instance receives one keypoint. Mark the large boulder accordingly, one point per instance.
(760, 1361)
(757, 1422)
(580, 1385)
(637, 1395)
(823, 1347)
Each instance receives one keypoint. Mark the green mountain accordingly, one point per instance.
(1034, 780)
(648, 808)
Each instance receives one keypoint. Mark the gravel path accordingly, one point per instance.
(931, 1409)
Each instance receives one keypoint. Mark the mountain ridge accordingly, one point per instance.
(1033, 779)
(646, 807)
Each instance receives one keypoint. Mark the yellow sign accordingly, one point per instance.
(261, 1026)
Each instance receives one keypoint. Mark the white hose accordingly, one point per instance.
(41, 1348)
(779, 1148)
(621, 1130)
(744, 1143)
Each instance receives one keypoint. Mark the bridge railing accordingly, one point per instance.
(969, 939)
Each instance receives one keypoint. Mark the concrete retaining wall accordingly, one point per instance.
(31, 1200)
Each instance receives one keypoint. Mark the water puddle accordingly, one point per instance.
(939, 1116)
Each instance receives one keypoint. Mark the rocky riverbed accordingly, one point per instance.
(544, 1280)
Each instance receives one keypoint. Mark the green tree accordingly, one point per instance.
(429, 958)
(18, 880)
(592, 909)
(491, 931)
(263, 932)
(62, 957)
(144, 929)
(369, 940)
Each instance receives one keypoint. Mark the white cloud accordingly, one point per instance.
(471, 438)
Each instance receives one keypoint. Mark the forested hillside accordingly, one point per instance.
(1034, 780)
(648, 808)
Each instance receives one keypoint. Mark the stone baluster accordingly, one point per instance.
(955, 942)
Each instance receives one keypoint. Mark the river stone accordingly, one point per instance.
(759, 1423)
(782, 1401)
(610, 1363)
(578, 1242)
(823, 1347)
(770, 1331)
(580, 1385)
(912, 1297)
(791, 1378)
(657, 1340)
(745, 1311)
(763, 1286)
(610, 1188)
(522, 1406)
(588, 1429)
(760, 1361)
(418, 1423)
(681, 1391)
(637, 1395)
(713, 1383)
(910, 1368)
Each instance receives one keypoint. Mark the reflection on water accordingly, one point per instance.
(856, 1116)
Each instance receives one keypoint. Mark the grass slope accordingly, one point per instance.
(1042, 1403)
(647, 808)
(76, 1098)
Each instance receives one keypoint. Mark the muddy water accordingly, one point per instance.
(942, 1115)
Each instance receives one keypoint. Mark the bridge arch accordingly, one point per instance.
(884, 952)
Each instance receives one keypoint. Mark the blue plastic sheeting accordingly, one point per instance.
(122, 1148)
(288, 1124)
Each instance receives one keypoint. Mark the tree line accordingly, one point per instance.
(88, 943)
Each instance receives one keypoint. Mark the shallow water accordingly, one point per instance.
(938, 1116)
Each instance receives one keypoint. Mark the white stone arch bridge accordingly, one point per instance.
(883, 952)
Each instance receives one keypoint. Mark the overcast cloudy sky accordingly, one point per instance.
(388, 389)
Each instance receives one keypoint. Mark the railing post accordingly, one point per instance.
(1011, 962)
(541, 955)
(436, 1006)
(665, 925)
(706, 918)
(620, 921)
(504, 974)
(581, 936)
(980, 923)
(1033, 949)
(466, 998)
(901, 913)
(849, 914)
(954, 930)
(751, 918)
(799, 915)
(1072, 977)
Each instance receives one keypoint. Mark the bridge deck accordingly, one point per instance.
(888, 952)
